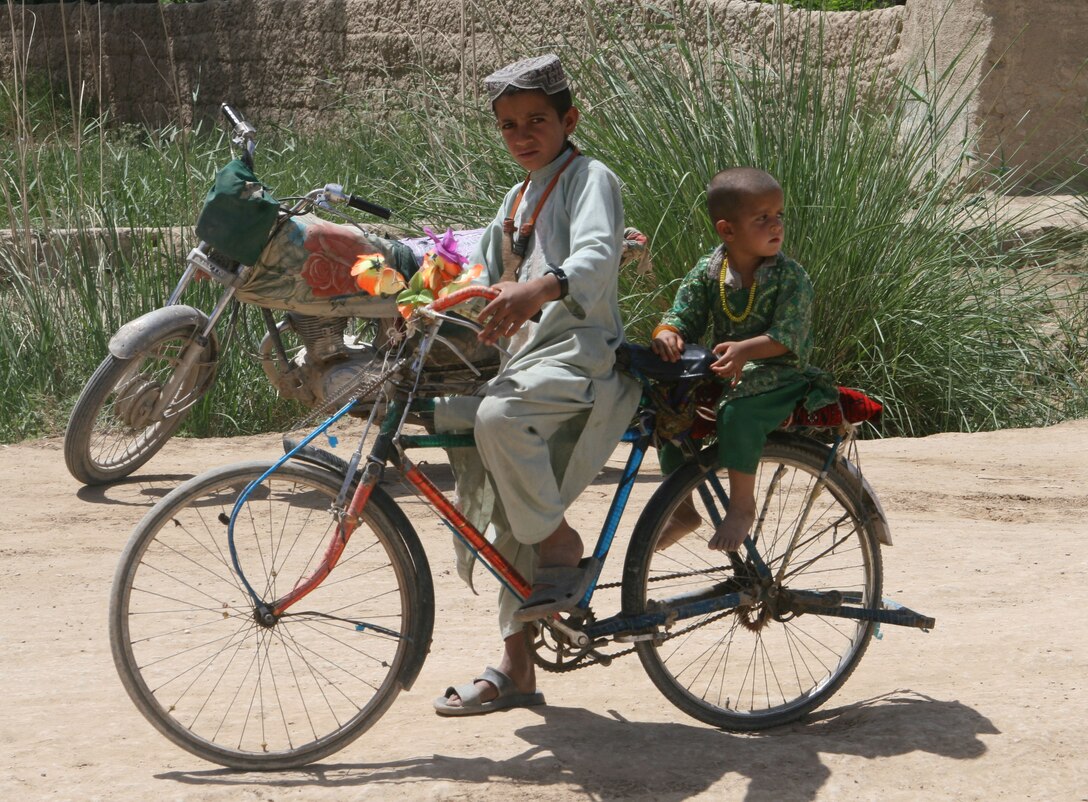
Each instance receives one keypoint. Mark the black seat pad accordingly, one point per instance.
(639, 360)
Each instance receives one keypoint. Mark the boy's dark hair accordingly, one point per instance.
(729, 189)
(561, 101)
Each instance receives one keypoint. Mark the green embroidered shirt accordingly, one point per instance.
(782, 310)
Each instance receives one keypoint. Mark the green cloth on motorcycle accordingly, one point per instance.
(238, 214)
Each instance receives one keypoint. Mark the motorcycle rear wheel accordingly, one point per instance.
(112, 430)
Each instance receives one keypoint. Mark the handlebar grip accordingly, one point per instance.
(462, 295)
(233, 117)
(355, 202)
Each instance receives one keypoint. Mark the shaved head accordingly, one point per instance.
(728, 191)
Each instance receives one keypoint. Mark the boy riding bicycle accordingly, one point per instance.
(551, 418)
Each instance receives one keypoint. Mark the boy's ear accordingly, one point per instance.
(570, 120)
(724, 229)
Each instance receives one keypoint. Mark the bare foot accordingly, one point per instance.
(562, 548)
(683, 521)
(730, 534)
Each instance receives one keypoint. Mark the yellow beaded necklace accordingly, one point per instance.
(725, 303)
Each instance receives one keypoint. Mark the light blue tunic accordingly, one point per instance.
(546, 425)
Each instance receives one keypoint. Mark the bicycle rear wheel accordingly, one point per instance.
(765, 663)
(217, 682)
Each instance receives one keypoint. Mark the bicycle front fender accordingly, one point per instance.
(137, 335)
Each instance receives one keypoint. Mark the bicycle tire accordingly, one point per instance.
(754, 667)
(202, 669)
(110, 432)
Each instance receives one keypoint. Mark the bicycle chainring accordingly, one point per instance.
(551, 650)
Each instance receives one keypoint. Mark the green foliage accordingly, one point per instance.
(927, 297)
(922, 300)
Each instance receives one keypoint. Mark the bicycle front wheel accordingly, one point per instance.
(771, 660)
(214, 679)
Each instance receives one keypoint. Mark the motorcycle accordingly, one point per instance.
(277, 256)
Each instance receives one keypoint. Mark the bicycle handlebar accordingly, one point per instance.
(460, 296)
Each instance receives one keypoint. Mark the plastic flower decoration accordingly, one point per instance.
(443, 270)
(374, 277)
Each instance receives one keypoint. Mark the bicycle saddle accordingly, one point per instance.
(639, 360)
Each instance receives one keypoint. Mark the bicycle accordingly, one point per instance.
(232, 666)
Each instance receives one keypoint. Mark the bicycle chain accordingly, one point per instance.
(591, 658)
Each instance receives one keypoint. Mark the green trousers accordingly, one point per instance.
(743, 426)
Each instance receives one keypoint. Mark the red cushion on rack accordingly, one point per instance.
(853, 405)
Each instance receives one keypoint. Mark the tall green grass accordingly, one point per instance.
(927, 296)
(104, 204)
(923, 299)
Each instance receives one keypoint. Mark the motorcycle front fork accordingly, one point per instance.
(181, 379)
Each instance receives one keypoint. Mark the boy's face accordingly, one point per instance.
(532, 129)
(757, 228)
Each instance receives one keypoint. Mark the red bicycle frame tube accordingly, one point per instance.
(454, 517)
(339, 540)
(350, 519)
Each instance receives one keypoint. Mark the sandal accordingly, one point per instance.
(469, 693)
(557, 589)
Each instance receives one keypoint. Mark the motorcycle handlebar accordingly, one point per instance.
(233, 117)
(363, 205)
(242, 133)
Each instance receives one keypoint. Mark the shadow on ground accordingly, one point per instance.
(605, 756)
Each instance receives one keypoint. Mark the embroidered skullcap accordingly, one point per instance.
(539, 72)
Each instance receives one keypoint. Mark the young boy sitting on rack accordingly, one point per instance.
(758, 304)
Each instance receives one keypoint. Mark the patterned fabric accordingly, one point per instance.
(315, 267)
(782, 310)
(541, 72)
(853, 406)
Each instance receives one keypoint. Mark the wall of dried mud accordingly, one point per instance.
(306, 61)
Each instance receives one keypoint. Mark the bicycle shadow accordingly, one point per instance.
(606, 756)
(133, 491)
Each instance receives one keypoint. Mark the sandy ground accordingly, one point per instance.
(990, 539)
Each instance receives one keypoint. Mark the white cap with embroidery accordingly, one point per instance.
(539, 72)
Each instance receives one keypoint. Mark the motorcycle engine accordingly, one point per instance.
(327, 364)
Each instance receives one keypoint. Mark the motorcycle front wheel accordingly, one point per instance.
(115, 427)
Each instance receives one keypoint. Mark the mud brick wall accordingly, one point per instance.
(304, 62)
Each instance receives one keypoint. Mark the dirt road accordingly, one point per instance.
(990, 533)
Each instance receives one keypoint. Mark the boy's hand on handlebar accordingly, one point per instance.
(517, 302)
(668, 345)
